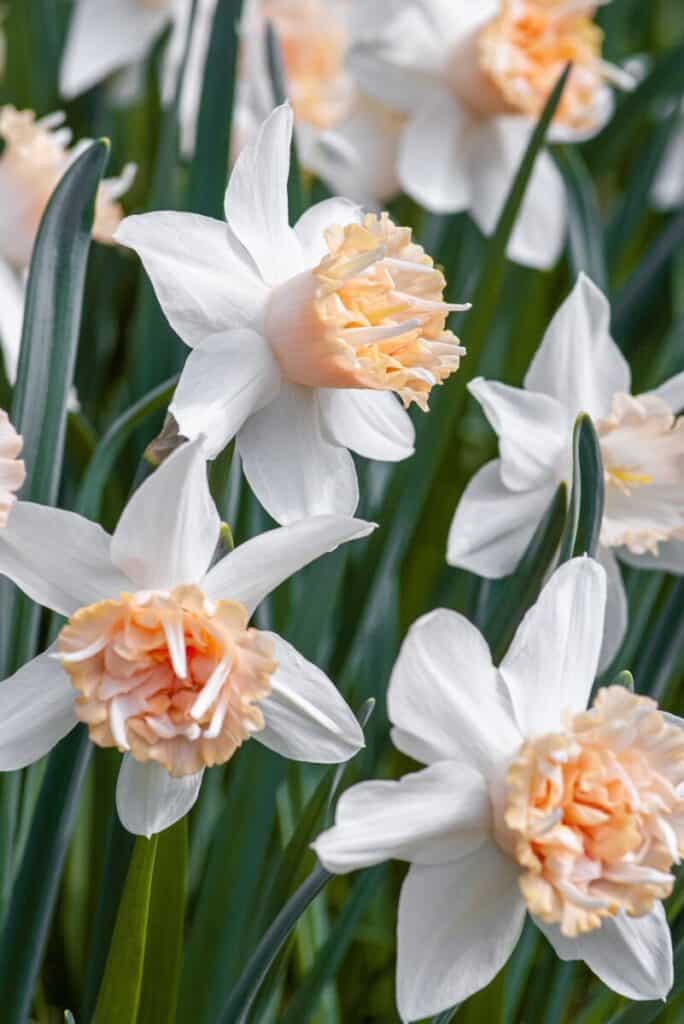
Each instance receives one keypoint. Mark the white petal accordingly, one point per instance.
(494, 158)
(617, 612)
(458, 925)
(256, 200)
(225, 379)
(492, 525)
(670, 558)
(433, 166)
(36, 711)
(168, 532)
(533, 432)
(445, 699)
(672, 391)
(578, 362)
(12, 291)
(148, 799)
(105, 35)
(668, 188)
(371, 423)
(306, 717)
(631, 955)
(203, 281)
(552, 661)
(61, 560)
(358, 156)
(291, 467)
(258, 566)
(312, 225)
(433, 816)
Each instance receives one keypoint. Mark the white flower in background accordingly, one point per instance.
(35, 156)
(157, 657)
(578, 369)
(668, 187)
(471, 76)
(107, 36)
(529, 803)
(343, 136)
(12, 469)
(299, 336)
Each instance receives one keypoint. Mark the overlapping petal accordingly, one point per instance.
(149, 800)
(370, 423)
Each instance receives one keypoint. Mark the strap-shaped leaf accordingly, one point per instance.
(585, 512)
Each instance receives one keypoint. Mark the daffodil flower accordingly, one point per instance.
(12, 469)
(36, 154)
(299, 336)
(157, 657)
(530, 804)
(578, 369)
(348, 139)
(471, 76)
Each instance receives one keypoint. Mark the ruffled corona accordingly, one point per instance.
(642, 445)
(170, 677)
(35, 157)
(596, 814)
(370, 315)
(12, 470)
(523, 51)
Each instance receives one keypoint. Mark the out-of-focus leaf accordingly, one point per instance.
(585, 512)
(662, 646)
(119, 997)
(625, 679)
(303, 1004)
(209, 167)
(585, 235)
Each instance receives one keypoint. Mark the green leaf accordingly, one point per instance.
(585, 235)
(209, 168)
(585, 512)
(119, 997)
(164, 947)
(625, 679)
(276, 67)
(331, 954)
(523, 587)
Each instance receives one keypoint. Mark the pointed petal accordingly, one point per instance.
(258, 566)
(493, 525)
(458, 925)
(445, 699)
(433, 816)
(291, 467)
(148, 799)
(617, 612)
(168, 532)
(578, 362)
(59, 559)
(203, 282)
(371, 423)
(494, 156)
(105, 35)
(672, 391)
(552, 661)
(443, 130)
(631, 955)
(225, 379)
(312, 225)
(256, 200)
(306, 717)
(534, 432)
(36, 711)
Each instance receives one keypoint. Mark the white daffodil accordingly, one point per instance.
(343, 136)
(471, 76)
(300, 335)
(578, 369)
(157, 657)
(35, 156)
(106, 36)
(12, 469)
(529, 803)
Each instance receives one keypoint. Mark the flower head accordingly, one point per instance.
(298, 335)
(529, 803)
(157, 656)
(12, 470)
(578, 369)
